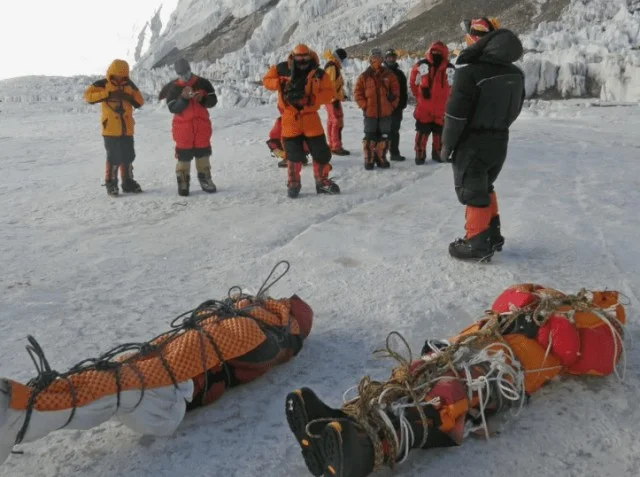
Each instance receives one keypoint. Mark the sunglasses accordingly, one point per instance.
(302, 57)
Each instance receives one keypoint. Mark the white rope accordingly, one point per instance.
(509, 380)
(406, 438)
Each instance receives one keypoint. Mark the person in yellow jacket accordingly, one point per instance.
(118, 96)
(335, 114)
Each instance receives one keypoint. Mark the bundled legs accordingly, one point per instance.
(334, 444)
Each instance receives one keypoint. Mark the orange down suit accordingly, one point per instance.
(302, 120)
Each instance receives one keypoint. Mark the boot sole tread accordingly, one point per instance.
(332, 449)
(297, 420)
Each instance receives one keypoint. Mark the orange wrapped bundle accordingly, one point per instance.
(531, 335)
(149, 386)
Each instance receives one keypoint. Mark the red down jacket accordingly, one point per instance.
(191, 125)
(430, 83)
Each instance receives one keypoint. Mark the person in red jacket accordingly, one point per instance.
(188, 98)
(430, 81)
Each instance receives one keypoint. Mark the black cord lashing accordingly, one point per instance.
(109, 362)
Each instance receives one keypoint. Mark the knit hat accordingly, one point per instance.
(182, 67)
(478, 27)
(391, 52)
(376, 53)
(340, 53)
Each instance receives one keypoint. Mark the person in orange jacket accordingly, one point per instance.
(303, 87)
(335, 114)
(377, 94)
(430, 81)
(118, 96)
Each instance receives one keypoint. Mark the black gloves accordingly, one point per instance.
(426, 93)
(120, 96)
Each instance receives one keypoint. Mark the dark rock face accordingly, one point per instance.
(229, 36)
(440, 20)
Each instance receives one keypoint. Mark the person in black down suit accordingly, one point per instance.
(486, 98)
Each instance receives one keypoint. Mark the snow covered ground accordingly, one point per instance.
(83, 272)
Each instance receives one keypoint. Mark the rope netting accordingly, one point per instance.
(129, 355)
(501, 380)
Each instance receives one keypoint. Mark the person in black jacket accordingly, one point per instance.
(390, 62)
(486, 98)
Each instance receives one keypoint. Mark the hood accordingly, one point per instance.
(118, 68)
(437, 47)
(500, 46)
(329, 55)
(315, 59)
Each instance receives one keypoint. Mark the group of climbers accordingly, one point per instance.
(467, 111)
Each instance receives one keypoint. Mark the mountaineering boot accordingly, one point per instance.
(497, 240)
(283, 163)
(183, 183)
(397, 157)
(324, 185)
(203, 166)
(112, 187)
(368, 150)
(381, 154)
(206, 183)
(293, 179)
(341, 152)
(183, 169)
(477, 248)
(435, 156)
(347, 450)
(111, 179)
(420, 160)
(128, 183)
(303, 408)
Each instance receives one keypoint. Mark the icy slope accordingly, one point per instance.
(320, 23)
(591, 51)
(82, 272)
